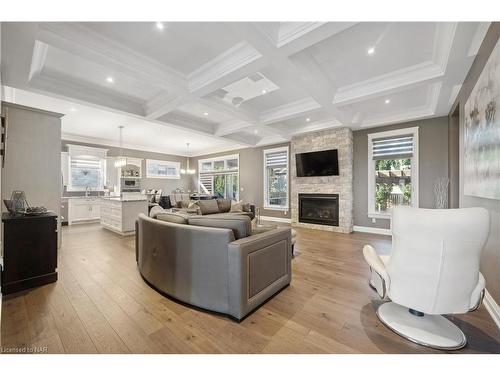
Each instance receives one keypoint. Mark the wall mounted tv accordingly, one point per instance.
(319, 163)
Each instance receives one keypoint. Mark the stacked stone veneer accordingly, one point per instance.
(340, 139)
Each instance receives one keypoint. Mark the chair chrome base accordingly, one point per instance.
(434, 331)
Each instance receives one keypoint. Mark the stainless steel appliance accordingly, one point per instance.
(130, 185)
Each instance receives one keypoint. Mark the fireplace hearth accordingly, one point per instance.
(319, 209)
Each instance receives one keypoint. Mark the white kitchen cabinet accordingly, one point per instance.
(83, 209)
(119, 215)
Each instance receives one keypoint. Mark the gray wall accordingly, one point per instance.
(166, 185)
(433, 163)
(251, 176)
(490, 259)
(33, 160)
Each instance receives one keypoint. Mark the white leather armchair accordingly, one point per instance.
(433, 269)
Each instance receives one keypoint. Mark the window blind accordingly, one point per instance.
(278, 158)
(392, 148)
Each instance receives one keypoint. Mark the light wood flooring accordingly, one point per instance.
(100, 304)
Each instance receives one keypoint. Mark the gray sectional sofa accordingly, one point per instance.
(213, 262)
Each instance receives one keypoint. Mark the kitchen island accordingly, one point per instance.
(118, 214)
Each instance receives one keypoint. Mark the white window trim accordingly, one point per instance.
(371, 170)
(175, 164)
(266, 205)
(224, 171)
(97, 152)
(218, 158)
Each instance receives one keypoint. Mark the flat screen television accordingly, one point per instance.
(319, 163)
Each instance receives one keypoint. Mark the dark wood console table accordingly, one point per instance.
(29, 251)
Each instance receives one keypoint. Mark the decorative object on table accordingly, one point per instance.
(18, 201)
(441, 192)
(35, 211)
(8, 204)
(482, 133)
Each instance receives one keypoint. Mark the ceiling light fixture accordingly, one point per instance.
(160, 25)
(72, 109)
(264, 91)
(256, 131)
(387, 101)
(188, 170)
(110, 79)
(205, 113)
(308, 119)
(371, 50)
(121, 161)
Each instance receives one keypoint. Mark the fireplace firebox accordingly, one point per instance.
(319, 209)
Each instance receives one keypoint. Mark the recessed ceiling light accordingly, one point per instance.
(371, 50)
(205, 113)
(308, 119)
(255, 131)
(160, 25)
(110, 80)
(72, 109)
(387, 101)
(264, 91)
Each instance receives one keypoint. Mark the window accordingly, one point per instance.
(87, 168)
(392, 171)
(276, 178)
(163, 169)
(219, 176)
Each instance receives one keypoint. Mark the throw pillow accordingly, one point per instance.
(155, 211)
(224, 205)
(236, 206)
(208, 206)
(246, 207)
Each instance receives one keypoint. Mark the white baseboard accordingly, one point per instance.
(492, 307)
(357, 228)
(278, 219)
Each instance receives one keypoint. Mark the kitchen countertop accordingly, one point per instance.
(117, 199)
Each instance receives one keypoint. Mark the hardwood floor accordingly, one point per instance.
(101, 305)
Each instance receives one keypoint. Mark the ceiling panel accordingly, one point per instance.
(183, 46)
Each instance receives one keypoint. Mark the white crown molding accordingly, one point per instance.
(399, 79)
(443, 42)
(478, 38)
(289, 110)
(453, 94)
(290, 31)
(57, 85)
(88, 44)
(272, 140)
(231, 126)
(38, 60)
(402, 78)
(386, 232)
(492, 307)
(317, 126)
(113, 143)
(427, 110)
(227, 62)
(187, 122)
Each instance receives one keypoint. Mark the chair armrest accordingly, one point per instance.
(377, 265)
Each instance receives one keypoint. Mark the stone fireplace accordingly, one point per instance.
(328, 199)
(319, 209)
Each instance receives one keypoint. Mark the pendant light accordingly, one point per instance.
(121, 161)
(188, 170)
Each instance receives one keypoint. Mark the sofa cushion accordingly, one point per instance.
(155, 211)
(224, 205)
(208, 206)
(251, 215)
(240, 225)
(246, 207)
(171, 217)
(236, 206)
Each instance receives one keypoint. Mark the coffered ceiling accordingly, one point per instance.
(230, 85)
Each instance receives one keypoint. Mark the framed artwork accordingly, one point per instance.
(482, 133)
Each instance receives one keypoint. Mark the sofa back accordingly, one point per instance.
(185, 258)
